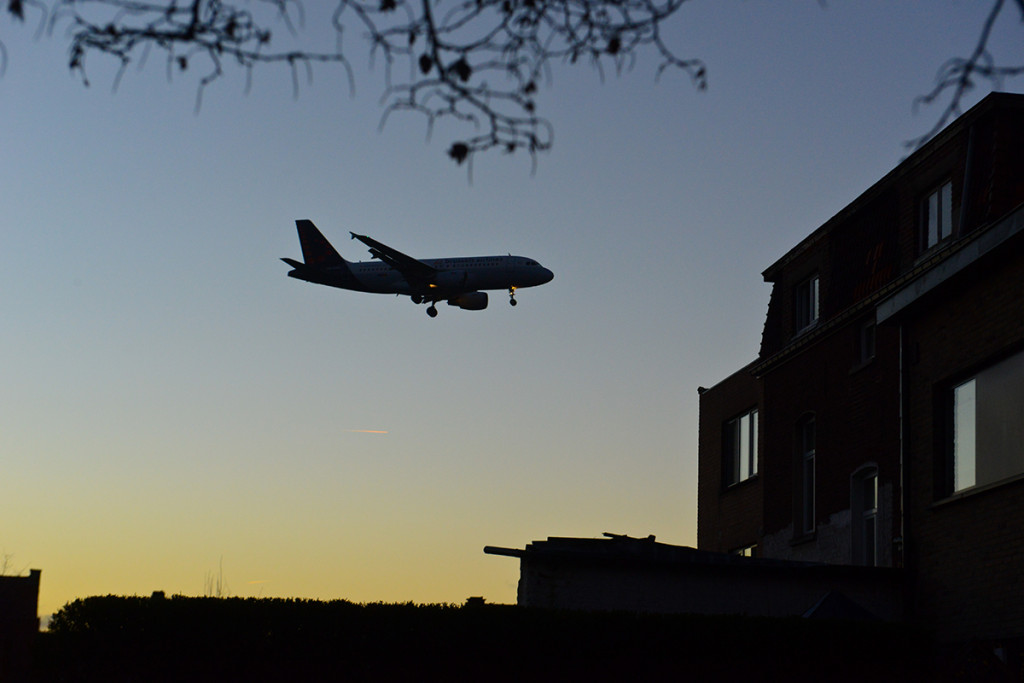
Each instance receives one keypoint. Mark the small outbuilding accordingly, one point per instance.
(621, 573)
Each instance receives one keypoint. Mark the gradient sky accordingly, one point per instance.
(171, 403)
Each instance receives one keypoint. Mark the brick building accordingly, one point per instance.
(882, 423)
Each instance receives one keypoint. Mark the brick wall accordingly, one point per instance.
(967, 550)
(727, 518)
(856, 412)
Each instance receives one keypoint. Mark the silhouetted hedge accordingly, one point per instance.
(233, 639)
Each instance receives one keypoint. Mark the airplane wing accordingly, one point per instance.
(414, 271)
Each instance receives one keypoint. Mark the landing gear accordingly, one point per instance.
(432, 311)
(512, 296)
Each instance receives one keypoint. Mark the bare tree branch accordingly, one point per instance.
(210, 29)
(477, 62)
(958, 76)
(16, 10)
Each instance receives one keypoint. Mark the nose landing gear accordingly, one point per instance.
(512, 296)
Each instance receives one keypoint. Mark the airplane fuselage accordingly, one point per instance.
(455, 276)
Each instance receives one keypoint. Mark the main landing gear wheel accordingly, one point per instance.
(432, 311)
(512, 296)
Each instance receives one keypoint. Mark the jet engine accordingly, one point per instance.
(470, 301)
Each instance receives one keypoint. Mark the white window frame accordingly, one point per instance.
(986, 411)
(741, 448)
(937, 216)
(864, 514)
(964, 437)
(806, 303)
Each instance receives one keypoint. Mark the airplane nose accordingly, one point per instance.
(548, 276)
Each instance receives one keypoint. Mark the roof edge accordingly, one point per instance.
(988, 103)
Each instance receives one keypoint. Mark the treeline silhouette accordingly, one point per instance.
(180, 638)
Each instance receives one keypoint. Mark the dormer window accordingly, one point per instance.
(806, 304)
(937, 216)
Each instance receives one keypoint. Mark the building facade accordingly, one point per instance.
(882, 423)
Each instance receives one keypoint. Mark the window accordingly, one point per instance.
(866, 341)
(864, 513)
(806, 304)
(987, 443)
(937, 216)
(746, 551)
(805, 450)
(964, 437)
(740, 448)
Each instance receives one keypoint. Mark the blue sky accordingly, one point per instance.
(172, 401)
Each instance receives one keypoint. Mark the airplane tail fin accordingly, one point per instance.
(316, 250)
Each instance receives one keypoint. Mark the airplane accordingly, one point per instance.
(458, 281)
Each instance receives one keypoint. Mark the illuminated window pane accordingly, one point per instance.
(870, 491)
(864, 508)
(999, 434)
(744, 447)
(937, 216)
(753, 442)
(806, 303)
(988, 426)
(964, 438)
(740, 447)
